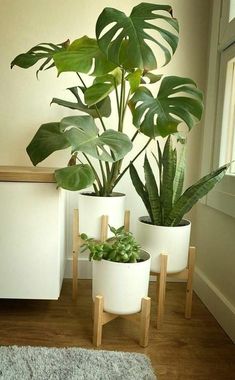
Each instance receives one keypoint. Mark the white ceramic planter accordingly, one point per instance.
(91, 208)
(122, 285)
(173, 241)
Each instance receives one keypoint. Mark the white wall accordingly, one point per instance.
(24, 101)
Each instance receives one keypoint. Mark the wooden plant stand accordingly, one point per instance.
(102, 317)
(185, 274)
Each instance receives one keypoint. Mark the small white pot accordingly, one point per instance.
(173, 241)
(123, 285)
(92, 208)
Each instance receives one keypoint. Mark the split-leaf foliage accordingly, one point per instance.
(121, 59)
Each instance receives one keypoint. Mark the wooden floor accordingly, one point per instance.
(196, 349)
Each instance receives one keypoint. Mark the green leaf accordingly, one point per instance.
(104, 107)
(168, 174)
(75, 177)
(161, 116)
(126, 41)
(140, 189)
(102, 87)
(82, 134)
(47, 140)
(153, 78)
(179, 175)
(152, 190)
(192, 195)
(79, 57)
(44, 51)
(134, 79)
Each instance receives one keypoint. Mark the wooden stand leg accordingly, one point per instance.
(189, 289)
(145, 321)
(76, 246)
(127, 220)
(161, 287)
(98, 312)
(104, 228)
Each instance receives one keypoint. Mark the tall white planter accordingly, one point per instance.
(92, 208)
(173, 241)
(122, 285)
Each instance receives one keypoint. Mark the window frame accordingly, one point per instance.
(222, 197)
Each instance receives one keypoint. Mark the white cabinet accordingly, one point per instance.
(32, 234)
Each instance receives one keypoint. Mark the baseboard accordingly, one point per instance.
(216, 302)
(84, 268)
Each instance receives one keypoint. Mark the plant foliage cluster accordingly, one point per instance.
(162, 193)
(121, 60)
(121, 248)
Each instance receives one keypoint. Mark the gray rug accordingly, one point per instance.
(41, 363)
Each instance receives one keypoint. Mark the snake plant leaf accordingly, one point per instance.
(47, 140)
(103, 107)
(168, 174)
(195, 192)
(126, 41)
(161, 116)
(179, 175)
(82, 134)
(140, 189)
(102, 86)
(74, 178)
(44, 51)
(152, 190)
(83, 56)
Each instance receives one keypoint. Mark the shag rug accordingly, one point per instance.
(41, 363)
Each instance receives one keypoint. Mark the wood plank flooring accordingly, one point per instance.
(196, 349)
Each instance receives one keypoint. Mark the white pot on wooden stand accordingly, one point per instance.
(157, 240)
(122, 285)
(92, 208)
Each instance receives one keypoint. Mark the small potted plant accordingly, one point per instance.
(120, 271)
(121, 60)
(165, 230)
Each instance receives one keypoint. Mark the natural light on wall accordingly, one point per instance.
(227, 146)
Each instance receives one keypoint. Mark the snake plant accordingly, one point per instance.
(162, 193)
(120, 60)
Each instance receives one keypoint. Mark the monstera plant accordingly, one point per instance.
(121, 60)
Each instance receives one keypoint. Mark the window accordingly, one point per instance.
(219, 138)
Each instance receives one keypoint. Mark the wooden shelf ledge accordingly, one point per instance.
(26, 174)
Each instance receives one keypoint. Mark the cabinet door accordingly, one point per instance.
(31, 240)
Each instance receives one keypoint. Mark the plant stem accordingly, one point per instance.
(116, 93)
(135, 135)
(96, 108)
(127, 167)
(95, 172)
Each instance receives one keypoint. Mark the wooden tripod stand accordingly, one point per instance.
(102, 317)
(185, 274)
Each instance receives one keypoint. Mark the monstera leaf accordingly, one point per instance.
(47, 140)
(102, 87)
(124, 43)
(81, 55)
(178, 100)
(74, 178)
(82, 134)
(103, 107)
(44, 51)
